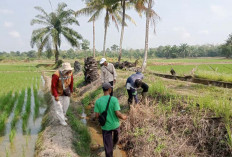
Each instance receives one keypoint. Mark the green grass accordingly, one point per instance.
(17, 67)
(190, 60)
(91, 96)
(15, 81)
(82, 138)
(217, 72)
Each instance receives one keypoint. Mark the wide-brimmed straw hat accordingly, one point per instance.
(102, 60)
(66, 66)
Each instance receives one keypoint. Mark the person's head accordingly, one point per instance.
(66, 68)
(103, 62)
(106, 88)
(138, 83)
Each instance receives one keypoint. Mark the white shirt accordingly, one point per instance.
(108, 73)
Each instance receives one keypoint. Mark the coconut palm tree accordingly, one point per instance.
(94, 8)
(55, 24)
(90, 10)
(151, 16)
(123, 3)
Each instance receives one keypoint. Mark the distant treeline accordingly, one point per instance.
(182, 51)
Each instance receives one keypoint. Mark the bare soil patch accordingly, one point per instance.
(55, 139)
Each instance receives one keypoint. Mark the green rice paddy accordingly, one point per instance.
(20, 108)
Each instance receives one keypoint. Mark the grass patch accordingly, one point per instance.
(91, 96)
(82, 138)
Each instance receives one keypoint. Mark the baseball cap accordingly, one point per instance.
(106, 85)
(102, 60)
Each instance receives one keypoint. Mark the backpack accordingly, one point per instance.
(103, 115)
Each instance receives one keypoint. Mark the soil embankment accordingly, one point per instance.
(54, 139)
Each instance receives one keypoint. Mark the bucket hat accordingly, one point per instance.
(66, 66)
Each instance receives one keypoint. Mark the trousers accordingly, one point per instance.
(61, 107)
(110, 139)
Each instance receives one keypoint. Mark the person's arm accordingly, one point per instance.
(117, 110)
(96, 111)
(96, 115)
(114, 73)
(54, 83)
(71, 84)
(102, 75)
(120, 115)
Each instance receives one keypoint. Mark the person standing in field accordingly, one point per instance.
(61, 89)
(108, 73)
(132, 84)
(110, 130)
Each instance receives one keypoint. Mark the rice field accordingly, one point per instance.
(21, 109)
(217, 72)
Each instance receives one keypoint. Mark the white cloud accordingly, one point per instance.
(14, 34)
(8, 24)
(6, 11)
(204, 32)
(186, 35)
(219, 10)
(183, 31)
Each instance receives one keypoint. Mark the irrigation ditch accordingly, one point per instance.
(84, 110)
(82, 137)
(195, 80)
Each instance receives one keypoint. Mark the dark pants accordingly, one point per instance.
(130, 99)
(110, 139)
(144, 86)
(112, 91)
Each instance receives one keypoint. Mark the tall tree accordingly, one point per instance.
(184, 50)
(94, 8)
(151, 16)
(56, 24)
(124, 16)
(90, 10)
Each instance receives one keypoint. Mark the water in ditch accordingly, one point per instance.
(97, 139)
(23, 144)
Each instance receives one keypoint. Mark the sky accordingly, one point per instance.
(194, 22)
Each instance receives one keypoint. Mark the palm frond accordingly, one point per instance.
(41, 10)
(41, 22)
(115, 20)
(61, 7)
(55, 36)
(96, 15)
(71, 32)
(41, 17)
(73, 41)
(85, 11)
(43, 43)
(38, 35)
(70, 21)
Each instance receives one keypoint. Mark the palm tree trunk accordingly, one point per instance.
(106, 26)
(122, 31)
(56, 53)
(94, 38)
(146, 36)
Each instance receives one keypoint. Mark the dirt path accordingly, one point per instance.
(55, 140)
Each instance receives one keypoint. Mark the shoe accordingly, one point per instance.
(63, 123)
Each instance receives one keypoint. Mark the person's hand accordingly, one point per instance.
(124, 117)
(57, 98)
(114, 81)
